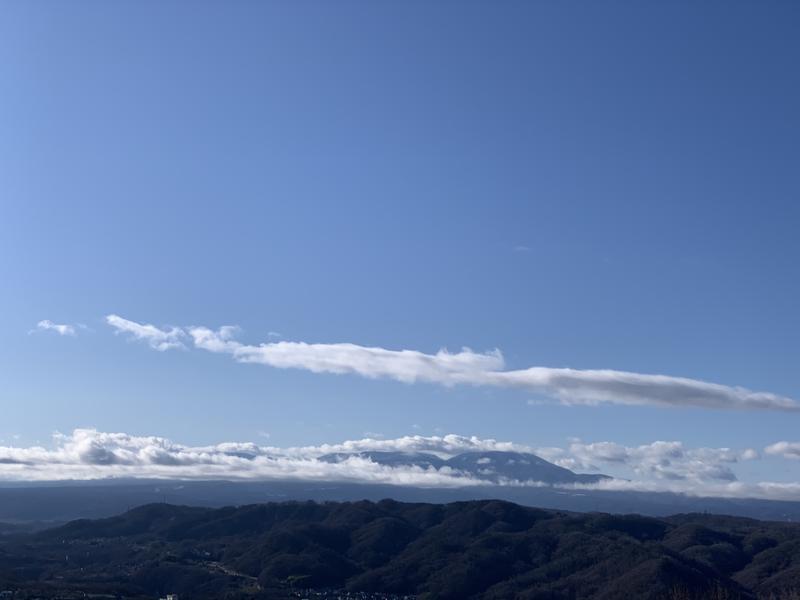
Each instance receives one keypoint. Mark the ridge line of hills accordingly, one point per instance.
(488, 550)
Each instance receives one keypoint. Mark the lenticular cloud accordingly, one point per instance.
(569, 386)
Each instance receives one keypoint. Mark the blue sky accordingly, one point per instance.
(587, 185)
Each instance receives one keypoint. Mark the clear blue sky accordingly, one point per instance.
(592, 185)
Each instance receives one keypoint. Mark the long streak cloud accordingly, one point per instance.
(569, 386)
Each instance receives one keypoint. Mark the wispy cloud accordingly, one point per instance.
(90, 454)
(59, 328)
(569, 386)
(158, 339)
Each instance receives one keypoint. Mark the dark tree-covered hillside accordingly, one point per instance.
(482, 549)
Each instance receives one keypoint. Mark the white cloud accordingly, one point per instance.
(574, 386)
(407, 366)
(659, 460)
(569, 386)
(90, 454)
(443, 446)
(750, 454)
(59, 328)
(786, 449)
(593, 386)
(158, 339)
(767, 490)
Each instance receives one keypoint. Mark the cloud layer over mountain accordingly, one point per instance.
(660, 466)
(658, 460)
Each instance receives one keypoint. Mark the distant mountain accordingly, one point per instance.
(518, 466)
(479, 550)
(36, 503)
(491, 466)
(392, 459)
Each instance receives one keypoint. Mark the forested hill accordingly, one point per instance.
(479, 549)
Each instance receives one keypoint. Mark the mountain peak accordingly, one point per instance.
(489, 465)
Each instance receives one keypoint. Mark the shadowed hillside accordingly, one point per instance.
(482, 549)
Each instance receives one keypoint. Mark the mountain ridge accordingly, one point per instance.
(490, 465)
(482, 550)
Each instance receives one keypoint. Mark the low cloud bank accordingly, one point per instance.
(765, 490)
(569, 386)
(658, 467)
(785, 449)
(91, 454)
(670, 461)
